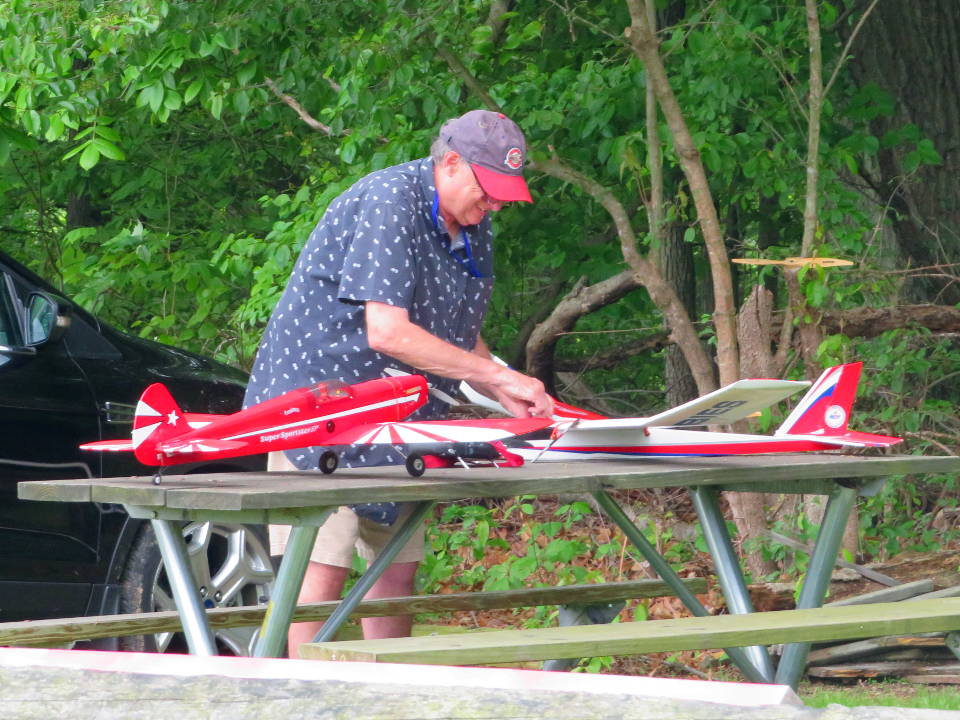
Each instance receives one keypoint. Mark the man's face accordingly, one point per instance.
(463, 198)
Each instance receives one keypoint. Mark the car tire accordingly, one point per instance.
(231, 564)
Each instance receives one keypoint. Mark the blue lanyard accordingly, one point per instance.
(467, 261)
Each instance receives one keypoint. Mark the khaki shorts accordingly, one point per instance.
(344, 532)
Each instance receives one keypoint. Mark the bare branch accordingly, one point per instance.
(468, 78)
(846, 48)
(298, 108)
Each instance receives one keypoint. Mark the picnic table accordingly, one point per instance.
(304, 500)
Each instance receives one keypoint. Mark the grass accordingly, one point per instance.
(889, 693)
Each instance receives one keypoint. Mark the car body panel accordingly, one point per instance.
(63, 559)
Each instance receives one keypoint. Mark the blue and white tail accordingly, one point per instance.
(824, 411)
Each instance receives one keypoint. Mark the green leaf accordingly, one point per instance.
(108, 149)
(107, 133)
(348, 151)
(55, 129)
(241, 102)
(89, 157)
(192, 90)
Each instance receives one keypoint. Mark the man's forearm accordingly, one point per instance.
(391, 333)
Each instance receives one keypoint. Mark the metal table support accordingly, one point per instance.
(817, 579)
(332, 624)
(727, 565)
(193, 617)
(753, 671)
(286, 590)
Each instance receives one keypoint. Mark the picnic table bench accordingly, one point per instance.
(304, 500)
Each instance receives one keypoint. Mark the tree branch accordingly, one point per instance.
(645, 47)
(661, 292)
(468, 78)
(298, 108)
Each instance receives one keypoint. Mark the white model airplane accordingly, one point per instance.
(818, 422)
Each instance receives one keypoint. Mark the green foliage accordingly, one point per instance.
(548, 555)
(156, 125)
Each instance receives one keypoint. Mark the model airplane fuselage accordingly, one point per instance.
(163, 434)
(334, 415)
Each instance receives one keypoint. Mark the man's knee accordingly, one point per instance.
(323, 582)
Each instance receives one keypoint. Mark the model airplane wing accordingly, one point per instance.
(438, 431)
(720, 407)
(850, 438)
(109, 446)
(728, 404)
(202, 445)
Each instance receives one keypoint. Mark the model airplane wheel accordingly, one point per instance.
(328, 462)
(416, 465)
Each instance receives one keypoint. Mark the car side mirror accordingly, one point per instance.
(46, 320)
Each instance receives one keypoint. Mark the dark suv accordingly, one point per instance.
(67, 378)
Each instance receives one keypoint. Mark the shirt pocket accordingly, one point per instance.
(439, 297)
(473, 308)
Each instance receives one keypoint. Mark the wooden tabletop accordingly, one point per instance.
(805, 472)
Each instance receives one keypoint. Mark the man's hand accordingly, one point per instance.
(521, 395)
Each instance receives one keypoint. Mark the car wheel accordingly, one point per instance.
(231, 564)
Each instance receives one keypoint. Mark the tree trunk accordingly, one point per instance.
(749, 510)
(910, 50)
(676, 263)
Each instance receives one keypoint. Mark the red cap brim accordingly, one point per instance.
(505, 188)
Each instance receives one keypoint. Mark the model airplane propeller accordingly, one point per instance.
(334, 415)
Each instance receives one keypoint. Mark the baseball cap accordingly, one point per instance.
(494, 147)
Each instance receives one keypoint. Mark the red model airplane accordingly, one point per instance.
(333, 414)
(328, 414)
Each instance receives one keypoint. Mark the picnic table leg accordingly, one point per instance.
(817, 579)
(332, 624)
(286, 590)
(193, 616)
(740, 658)
(727, 564)
(573, 615)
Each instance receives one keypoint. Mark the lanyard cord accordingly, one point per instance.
(467, 262)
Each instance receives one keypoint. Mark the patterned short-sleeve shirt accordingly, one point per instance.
(381, 240)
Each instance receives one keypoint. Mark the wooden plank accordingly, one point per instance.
(58, 490)
(884, 669)
(953, 591)
(933, 679)
(865, 648)
(889, 594)
(278, 490)
(695, 633)
(63, 631)
(808, 549)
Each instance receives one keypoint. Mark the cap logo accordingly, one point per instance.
(514, 158)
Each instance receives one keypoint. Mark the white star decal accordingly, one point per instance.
(172, 418)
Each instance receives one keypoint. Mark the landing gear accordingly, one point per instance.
(328, 462)
(415, 465)
(158, 476)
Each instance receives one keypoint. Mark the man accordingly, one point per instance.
(397, 273)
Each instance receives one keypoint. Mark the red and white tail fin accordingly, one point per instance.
(157, 418)
(824, 411)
